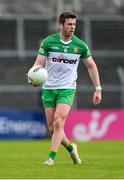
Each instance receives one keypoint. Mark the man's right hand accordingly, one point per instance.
(30, 82)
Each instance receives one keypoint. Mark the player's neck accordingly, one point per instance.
(64, 37)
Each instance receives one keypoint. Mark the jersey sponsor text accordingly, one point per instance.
(67, 61)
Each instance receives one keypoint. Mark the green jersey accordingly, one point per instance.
(62, 60)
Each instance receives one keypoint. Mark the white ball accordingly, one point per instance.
(37, 75)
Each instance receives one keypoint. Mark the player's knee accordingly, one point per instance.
(60, 116)
(58, 124)
(59, 121)
(50, 127)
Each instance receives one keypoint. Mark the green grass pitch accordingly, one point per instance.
(100, 160)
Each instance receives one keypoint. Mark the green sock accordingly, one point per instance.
(52, 155)
(69, 148)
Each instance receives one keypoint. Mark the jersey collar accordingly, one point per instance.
(65, 42)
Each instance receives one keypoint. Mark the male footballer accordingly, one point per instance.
(61, 53)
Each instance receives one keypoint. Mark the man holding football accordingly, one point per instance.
(61, 53)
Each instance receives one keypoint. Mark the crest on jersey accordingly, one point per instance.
(75, 50)
(65, 50)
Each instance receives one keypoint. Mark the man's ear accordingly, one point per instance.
(60, 26)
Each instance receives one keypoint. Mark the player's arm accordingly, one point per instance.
(94, 75)
(93, 71)
(42, 54)
(40, 60)
(41, 57)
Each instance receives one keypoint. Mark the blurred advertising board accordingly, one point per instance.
(87, 125)
(22, 125)
(81, 125)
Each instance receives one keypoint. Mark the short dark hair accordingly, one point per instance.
(66, 15)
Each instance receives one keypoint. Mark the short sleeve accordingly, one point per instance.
(86, 51)
(43, 50)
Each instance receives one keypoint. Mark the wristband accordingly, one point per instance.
(98, 88)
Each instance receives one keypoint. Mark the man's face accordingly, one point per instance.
(68, 28)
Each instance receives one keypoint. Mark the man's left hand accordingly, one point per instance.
(97, 97)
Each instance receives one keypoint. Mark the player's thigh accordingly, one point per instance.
(48, 97)
(65, 96)
(62, 111)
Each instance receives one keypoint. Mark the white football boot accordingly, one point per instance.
(48, 162)
(74, 155)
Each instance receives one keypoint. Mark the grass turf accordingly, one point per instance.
(22, 160)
